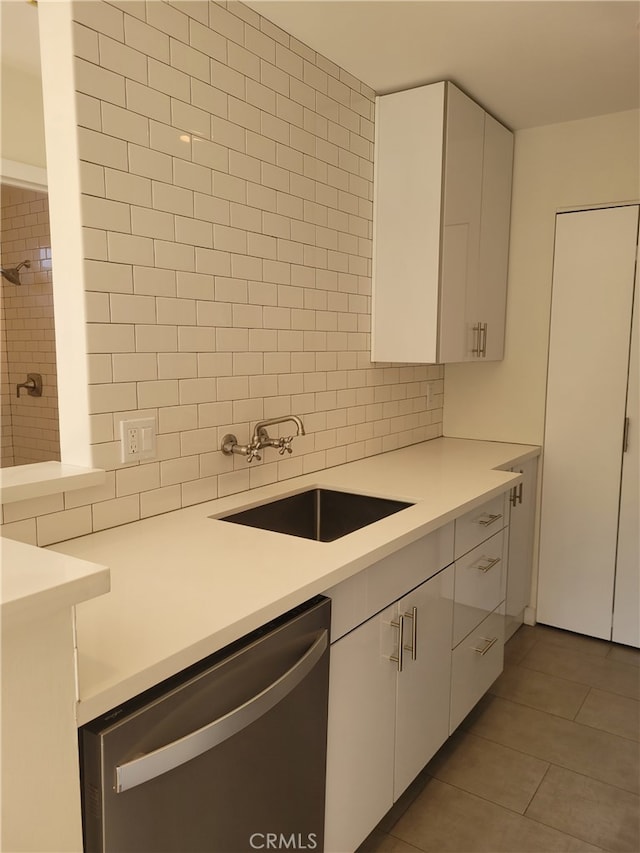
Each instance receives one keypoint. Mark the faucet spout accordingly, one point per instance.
(261, 426)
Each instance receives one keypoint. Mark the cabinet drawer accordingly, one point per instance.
(476, 663)
(356, 599)
(479, 524)
(480, 583)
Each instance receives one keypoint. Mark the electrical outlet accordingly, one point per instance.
(137, 439)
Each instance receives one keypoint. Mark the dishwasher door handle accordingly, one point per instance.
(161, 760)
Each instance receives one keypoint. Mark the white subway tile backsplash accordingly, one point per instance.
(124, 187)
(199, 339)
(227, 173)
(192, 232)
(129, 249)
(99, 82)
(188, 60)
(209, 98)
(147, 39)
(112, 397)
(205, 39)
(172, 199)
(157, 501)
(179, 470)
(58, 526)
(120, 58)
(128, 367)
(118, 511)
(176, 365)
(162, 392)
(170, 140)
(259, 43)
(191, 119)
(168, 19)
(148, 101)
(154, 282)
(141, 478)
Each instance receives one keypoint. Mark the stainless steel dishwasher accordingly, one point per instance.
(227, 756)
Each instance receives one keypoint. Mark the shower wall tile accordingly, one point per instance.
(29, 425)
(227, 179)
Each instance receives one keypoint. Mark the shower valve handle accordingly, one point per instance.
(33, 385)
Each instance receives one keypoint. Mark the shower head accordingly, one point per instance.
(13, 274)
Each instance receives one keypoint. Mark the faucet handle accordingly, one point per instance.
(285, 444)
(253, 454)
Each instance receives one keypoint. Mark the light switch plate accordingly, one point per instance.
(137, 439)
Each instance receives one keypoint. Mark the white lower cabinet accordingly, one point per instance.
(361, 733)
(478, 613)
(422, 687)
(476, 662)
(387, 717)
(521, 532)
(417, 640)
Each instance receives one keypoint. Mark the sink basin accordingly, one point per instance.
(320, 514)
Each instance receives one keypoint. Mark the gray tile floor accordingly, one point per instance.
(547, 761)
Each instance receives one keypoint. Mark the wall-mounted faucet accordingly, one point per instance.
(261, 439)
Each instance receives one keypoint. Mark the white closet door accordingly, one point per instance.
(586, 396)
(626, 607)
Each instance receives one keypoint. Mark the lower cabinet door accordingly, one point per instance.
(476, 663)
(422, 707)
(360, 745)
(521, 532)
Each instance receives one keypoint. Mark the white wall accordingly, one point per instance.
(588, 162)
(22, 120)
(579, 163)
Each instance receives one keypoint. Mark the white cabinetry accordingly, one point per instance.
(581, 517)
(441, 227)
(387, 717)
(423, 684)
(361, 733)
(478, 616)
(522, 499)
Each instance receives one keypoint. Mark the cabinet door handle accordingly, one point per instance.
(413, 648)
(515, 496)
(489, 643)
(490, 564)
(397, 658)
(489, 518)
(477, 349)
(625, 436)
(483, 346)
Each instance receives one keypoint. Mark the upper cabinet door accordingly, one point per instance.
(462, 204)
(442, 188)
(407, 204)
(497, 169)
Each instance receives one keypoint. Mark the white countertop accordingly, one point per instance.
(184, 585)
(34, 581)
(23, 482)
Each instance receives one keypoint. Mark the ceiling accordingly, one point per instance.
(529, 62)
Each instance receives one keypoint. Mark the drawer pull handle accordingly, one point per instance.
(489, 518)
(397, 658)
(413, 648)
(489, 565)
(489, 643)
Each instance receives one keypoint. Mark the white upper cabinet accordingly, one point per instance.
(441, 228)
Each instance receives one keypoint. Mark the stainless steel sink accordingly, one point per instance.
(320, 514)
